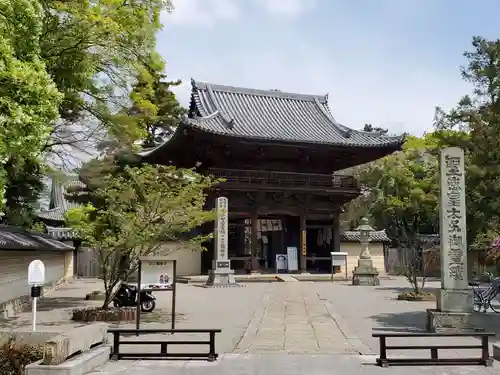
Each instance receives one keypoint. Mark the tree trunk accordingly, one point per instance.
(107, 299)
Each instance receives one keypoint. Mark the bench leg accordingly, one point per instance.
(485, 351)
(382, 362)
(434, 353)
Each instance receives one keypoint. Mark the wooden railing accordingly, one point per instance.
(285, 179)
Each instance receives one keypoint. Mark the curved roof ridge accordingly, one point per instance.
(200, 85)
(331, 119)
(374, 134)
(229, 121)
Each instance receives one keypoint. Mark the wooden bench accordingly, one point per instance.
(484, 359)
(164, 344)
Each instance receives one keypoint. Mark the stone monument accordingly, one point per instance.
(365, 273)
(221, 273)
(454, 299)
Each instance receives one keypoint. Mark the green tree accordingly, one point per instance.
(478, 115)
(154, 106)
(394, 188)
(403, 192)
(29, 99)
(133, 213)
(24, 184)
(94, 50)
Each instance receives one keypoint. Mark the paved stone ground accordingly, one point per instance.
(271, 328)
(293, 319)
(282, 364)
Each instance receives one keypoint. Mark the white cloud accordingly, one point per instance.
(202, 12)
(290, 8)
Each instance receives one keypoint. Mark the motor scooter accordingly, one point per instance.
(127, 297)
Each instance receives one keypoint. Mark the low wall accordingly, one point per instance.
(188, 261)
(14, 288)
(76, 351)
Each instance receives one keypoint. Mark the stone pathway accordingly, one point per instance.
(293, 319)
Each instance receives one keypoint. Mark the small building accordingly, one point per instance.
(280, 155)
(18, 247)
(59, 204)
(55, 225)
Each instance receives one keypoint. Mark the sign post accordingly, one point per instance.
(156, 274)
(339, 259)
(36, 279)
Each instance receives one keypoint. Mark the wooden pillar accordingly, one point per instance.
(254, 242)
(336, 231)
(303, 243)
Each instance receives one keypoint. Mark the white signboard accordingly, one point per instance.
(338, 258)
(292, 258)
(157, 274)
(281, 262)
(36, 273)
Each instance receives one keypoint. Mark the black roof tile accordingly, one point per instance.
(273, 115)
(14, 238)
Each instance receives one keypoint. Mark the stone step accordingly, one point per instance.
(287, 278)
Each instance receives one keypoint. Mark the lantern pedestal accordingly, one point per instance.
(365, 273)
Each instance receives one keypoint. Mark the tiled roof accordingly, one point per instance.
(59, 204)
(13, 238)
(273, 115)
(353, 236)
(61, 233)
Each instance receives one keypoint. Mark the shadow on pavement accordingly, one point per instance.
(49, 304)
(404, 289)
(415, 321)
(411, 321)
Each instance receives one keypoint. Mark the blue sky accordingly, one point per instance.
(385, 62)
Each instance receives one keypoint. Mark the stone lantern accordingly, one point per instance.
(365, 273)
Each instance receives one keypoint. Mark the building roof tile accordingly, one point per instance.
(59, 203)
(275, 115)
(272, 115)
(14, 238)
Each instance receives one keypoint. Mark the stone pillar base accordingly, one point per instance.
(365, 273)
(222, 275)
(445, 321)
(455, 300)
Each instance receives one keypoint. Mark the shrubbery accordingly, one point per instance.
(14, 357)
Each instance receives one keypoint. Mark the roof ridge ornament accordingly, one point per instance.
(229, 122)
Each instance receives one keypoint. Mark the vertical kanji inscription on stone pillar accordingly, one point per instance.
(453, 220)
(454, 295)
(221, 231)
